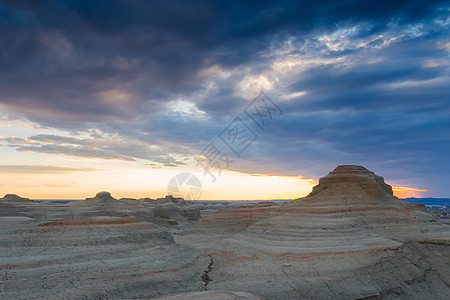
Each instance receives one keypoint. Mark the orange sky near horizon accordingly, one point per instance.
(138, 182)
(57, 176)
(97, 97)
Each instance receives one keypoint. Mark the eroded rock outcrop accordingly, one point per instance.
(349, 239)
(175, 209)
(14, 198)
(95, 257)
(170, 199)
(147, 200)
(102, 197)
(348, 180)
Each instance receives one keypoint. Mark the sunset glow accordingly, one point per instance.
(407, 192)
(91, 101)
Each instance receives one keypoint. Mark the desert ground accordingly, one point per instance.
(349, 239)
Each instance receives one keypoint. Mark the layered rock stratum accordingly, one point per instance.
(101, 248)
(96, 258)
(349, 239)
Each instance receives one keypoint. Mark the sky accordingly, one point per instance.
(253, 99)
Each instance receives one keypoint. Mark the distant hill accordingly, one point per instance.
(429, 201)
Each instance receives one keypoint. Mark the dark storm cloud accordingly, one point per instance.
(368, 85)
(62, 53)
(391, 118)
(374, 76)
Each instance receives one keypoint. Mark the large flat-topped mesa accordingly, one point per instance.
(351, 180)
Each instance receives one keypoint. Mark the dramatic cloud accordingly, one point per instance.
(110, 147)
(358, 82)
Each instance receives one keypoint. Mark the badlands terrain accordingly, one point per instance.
(349, 239)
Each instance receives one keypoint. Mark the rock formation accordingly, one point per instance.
(102, 197)
(167, 211)
(349, 239)
(175, 208)
(127, 199)
(147, 199)
(14, 198)
(170, 199)
(95, 258)
(352, 180)
(172, 211)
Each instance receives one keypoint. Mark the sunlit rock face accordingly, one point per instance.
(352, 180)
(349, 239)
